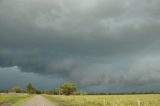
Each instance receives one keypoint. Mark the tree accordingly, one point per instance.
(16, 89)
(38, 91)
(68, 88)
(30, 88)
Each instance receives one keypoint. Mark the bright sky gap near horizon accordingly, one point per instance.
(103, 45)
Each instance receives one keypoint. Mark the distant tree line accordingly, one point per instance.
(4, 91)
(64, 89)
(126, 93)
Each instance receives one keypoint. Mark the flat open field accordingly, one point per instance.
(13, 99)
(86, 100)
(107, 100)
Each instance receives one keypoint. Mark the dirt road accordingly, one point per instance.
(38, 100)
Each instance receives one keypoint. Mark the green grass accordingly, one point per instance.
(22, 100)
(14, 99)
(106, 100)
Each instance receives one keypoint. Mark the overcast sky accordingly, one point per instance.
(103, 45)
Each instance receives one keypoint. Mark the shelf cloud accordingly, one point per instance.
(96, 43)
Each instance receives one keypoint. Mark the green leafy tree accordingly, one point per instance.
(16, 89)
(68, 88)
(30, 88)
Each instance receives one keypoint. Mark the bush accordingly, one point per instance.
(68, 88)
(16, 89)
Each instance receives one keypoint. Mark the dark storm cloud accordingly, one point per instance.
(92, 42)
(39, 81)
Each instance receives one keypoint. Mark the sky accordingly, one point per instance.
(102, 45)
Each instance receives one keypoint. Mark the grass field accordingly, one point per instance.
(107, 100)
(13, 99)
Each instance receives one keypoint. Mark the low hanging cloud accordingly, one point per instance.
(91, 42)
(9, 75)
